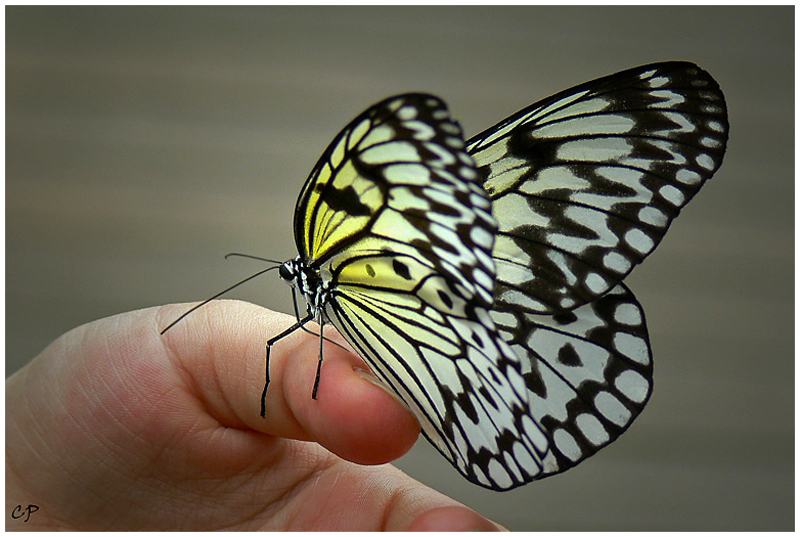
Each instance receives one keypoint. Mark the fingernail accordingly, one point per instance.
(370, 376)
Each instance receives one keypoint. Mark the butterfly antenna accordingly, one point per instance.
(248, 256)
(259, 273)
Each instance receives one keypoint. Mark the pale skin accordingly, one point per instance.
(114, 427)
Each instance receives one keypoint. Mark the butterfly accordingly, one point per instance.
(482, 280)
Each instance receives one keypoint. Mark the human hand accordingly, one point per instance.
(114, 427)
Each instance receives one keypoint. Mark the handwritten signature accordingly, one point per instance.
(20, 511)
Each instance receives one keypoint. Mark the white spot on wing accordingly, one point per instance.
(596, 283)
(389, 152)
(628, 314)
(632, 385)
(567, 445)
(653, 216)
(688, 177)
(672, 195)
(632, 347)
(705, 161)
(499, 474)
(587, 125)
(595, 149)
(612, 409)
(540, 442)
(416, 174)
(592, 429)
(481, 237)
(406, 113)
(616, 262)
(639, 241)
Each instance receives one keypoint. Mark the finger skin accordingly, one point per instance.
(351, 416)
(452, 518)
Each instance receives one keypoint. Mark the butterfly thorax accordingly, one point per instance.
(309, 282)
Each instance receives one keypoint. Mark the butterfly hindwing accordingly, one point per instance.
(588, 371)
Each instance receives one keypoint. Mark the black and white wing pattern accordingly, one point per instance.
(482, 282)
(395, 235)
(584, 185)
(588, 372)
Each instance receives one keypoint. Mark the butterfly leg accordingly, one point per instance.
(299, 324)
(319, 363)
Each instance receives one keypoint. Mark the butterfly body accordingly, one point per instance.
(313, 285)
(482, 280)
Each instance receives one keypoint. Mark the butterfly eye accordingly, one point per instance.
(286, 272)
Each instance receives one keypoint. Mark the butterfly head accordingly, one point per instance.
(289, 270)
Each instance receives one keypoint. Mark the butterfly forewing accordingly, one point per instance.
(396, 178)
(585, 183)
(394, 216)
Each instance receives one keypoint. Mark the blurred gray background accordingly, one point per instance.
(142, 144)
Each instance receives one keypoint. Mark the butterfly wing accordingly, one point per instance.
(402, 161)
(394, 217)
(588, 371)
(585, 183)
(523, 355)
